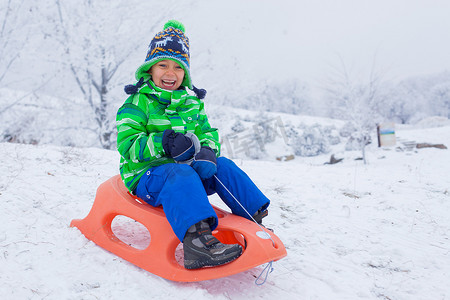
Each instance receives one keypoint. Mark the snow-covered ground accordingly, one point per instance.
(352, 231)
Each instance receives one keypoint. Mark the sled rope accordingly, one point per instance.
(273, 243)
(268, 268)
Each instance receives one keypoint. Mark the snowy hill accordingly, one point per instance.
(352, 231)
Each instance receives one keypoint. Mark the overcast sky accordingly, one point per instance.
(306, 38)
(406, 37)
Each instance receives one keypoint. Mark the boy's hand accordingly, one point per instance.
(205, 163)
(177, 145)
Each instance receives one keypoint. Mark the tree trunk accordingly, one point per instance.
(101, 111)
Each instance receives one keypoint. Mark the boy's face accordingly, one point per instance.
(167, 74)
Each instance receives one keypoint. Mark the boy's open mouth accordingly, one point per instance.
(168, 83)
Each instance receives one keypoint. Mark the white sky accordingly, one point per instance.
(305, 38)
(407, 37)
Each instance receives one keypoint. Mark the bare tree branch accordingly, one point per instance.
(17, 101)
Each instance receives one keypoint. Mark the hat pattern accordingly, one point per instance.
(170, 43)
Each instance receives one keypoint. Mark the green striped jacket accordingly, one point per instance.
(141, 121)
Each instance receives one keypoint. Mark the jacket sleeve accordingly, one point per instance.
(208, 136)
(134, 143)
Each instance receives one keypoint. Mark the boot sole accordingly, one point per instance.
(209, 262)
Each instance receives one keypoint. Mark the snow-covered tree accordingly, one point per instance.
(440, 99)
(357, 101)
(18, 23)
(91, 55)
(13, 33)
(94, 40)
(18, 30)
(418, 97)
(403, 104)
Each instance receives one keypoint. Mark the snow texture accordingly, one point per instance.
(352, 231)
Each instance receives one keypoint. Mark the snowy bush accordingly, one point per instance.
(243, 144)
(243, 141)
(358, 140)
(347, 130)
(268, 128)
(355, 139)
(250, 136)
(20, 132)
(332, 135)
(290, 131)
(313, 141)
(238, 126)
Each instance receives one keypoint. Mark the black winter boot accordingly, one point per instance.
(259, 215)
(202, 249)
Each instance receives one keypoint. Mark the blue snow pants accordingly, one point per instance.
(184, 196)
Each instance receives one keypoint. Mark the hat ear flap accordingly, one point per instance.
(131, 89)
(201, 93)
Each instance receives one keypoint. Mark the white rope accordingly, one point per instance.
(268, 235)
(268, 269)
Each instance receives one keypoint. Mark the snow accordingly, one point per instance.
(352, 231)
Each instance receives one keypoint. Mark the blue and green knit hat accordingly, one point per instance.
(171, 43)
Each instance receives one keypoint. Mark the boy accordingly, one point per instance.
(170, 153)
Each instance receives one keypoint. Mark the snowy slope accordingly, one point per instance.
(352, 231)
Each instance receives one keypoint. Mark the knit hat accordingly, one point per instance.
(171, 43)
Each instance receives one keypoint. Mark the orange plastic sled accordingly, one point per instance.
(113, 199)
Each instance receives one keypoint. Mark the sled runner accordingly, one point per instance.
(113, 199)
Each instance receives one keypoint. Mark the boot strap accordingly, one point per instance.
(208, 242)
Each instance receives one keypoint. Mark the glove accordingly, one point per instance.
(177, 145)
(205, 163)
